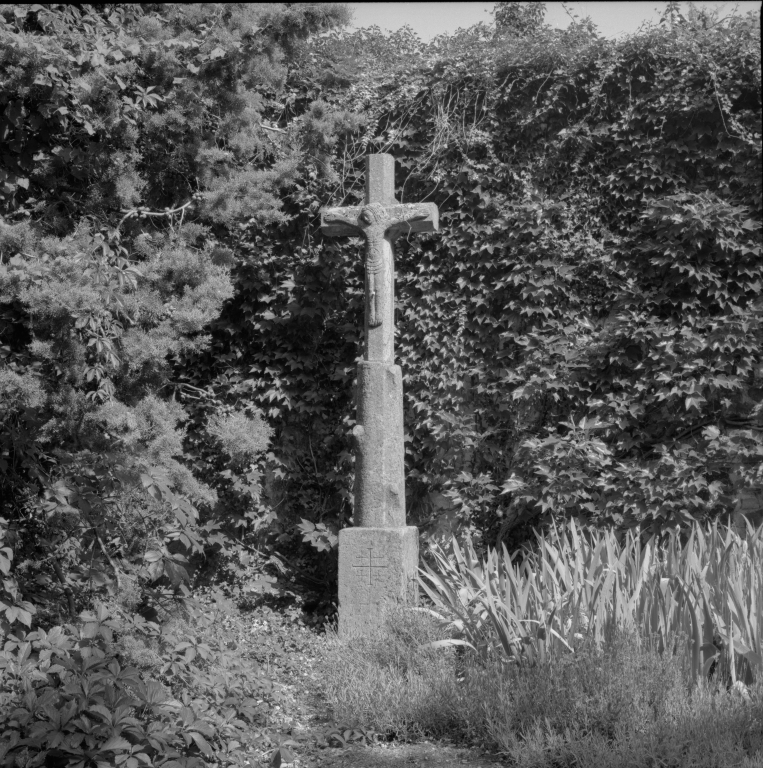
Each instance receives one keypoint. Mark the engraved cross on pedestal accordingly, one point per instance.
(370, 564)
(379, 515)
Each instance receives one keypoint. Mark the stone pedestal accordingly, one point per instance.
(377, 567)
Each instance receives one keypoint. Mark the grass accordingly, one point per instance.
(388, 683)
(625, 704)
(590, 649)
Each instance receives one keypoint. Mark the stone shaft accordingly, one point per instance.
(380, 179)
(379, 466)
(377, 568)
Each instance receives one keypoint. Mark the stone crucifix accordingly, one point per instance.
(380, 221)
(380, 532)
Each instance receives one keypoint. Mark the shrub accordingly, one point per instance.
(113, 689)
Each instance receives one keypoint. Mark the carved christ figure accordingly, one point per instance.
(380, 225)
(380, 220)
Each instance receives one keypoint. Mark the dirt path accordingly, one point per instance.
(423, 755)
(305, 717)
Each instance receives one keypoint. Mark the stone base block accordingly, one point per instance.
(377, 567)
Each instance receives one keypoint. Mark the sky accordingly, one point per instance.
(430, 19)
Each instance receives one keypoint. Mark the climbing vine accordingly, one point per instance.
(583, 336)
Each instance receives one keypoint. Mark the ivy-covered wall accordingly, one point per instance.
(583, 336)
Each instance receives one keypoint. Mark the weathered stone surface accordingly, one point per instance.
(403, 219)
(377, 567)
(379, 467)
(380, 179)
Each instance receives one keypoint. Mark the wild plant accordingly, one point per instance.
(581, 583)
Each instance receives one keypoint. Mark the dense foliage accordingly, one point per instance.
(103, 692)
(137, 148)
(703, 597)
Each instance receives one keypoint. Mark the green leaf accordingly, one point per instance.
(201, 743)
(116, 743)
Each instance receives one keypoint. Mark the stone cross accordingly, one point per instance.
(380, 533)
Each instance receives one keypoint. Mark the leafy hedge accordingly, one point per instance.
(583, 336)
(137, 144)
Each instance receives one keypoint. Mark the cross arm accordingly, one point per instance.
(398, 219)
(413, 217)
(341, 221)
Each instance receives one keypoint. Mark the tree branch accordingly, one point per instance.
(144, 212)
(272, 128)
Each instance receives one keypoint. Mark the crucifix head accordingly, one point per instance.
(380, 220)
